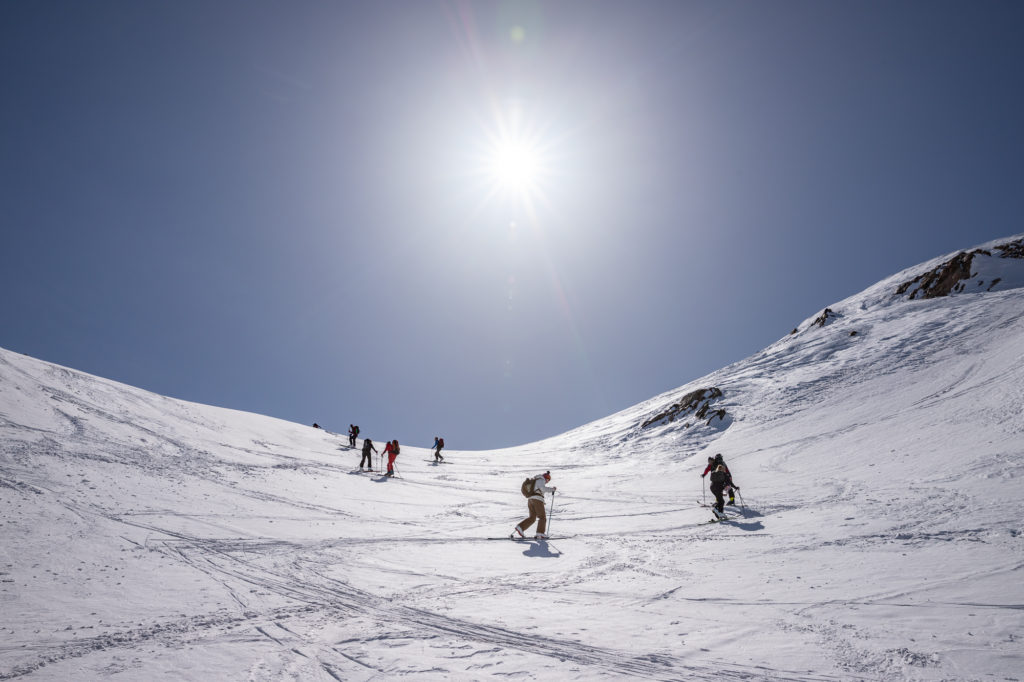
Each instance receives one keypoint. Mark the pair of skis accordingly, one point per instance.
(719, 516)
(552, 537)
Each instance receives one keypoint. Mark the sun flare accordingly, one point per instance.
(515, 166)
(514, 158)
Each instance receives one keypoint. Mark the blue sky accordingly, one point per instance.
(294, 208)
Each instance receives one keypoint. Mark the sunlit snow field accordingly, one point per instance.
(879, 535)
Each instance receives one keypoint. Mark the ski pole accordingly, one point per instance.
(743, 506)
(704, 489)
(551, 514)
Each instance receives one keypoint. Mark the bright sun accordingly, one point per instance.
(514, 159)
(515, 166)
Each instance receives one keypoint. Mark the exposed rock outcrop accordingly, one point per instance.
(827, 315)
(1013, 249)
(949, 277)
(696, 402)
(822, 320)
(943, 279)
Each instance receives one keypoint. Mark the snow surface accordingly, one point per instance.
(882, 479)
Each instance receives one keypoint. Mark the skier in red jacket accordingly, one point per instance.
(391, 450)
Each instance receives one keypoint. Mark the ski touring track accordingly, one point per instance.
(317, 592)
(304, 590)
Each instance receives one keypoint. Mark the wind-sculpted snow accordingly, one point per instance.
(877, 537)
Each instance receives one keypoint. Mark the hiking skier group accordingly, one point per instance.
(536, 487)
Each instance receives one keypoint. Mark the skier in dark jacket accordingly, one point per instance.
(438, 446)
(720, 481)
(367, 446)
(713, 463)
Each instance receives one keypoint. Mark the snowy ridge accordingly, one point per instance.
(1008, 270)
(879, 458)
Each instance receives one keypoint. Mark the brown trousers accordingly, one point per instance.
(537, 514)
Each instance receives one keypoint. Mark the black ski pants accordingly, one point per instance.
(716, 490)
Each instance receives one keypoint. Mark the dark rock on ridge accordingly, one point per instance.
(697, 402)
(949, 276)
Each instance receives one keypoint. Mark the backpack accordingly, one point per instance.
(355, 430)
(527, 488)
(394, 447)
(440, 443)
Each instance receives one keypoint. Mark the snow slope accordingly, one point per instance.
(880, 459)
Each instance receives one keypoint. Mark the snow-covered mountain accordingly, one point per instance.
(878, 449)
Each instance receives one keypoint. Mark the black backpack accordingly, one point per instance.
(527, 488)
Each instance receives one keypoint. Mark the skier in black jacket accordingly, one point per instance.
(713, 463)
(367, 446)
(720, 480)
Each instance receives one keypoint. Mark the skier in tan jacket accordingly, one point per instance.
(535, 504)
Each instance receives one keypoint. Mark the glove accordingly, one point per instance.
(703, 475)
(735, 487)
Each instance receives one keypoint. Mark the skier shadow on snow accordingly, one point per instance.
(747, 524)
(541, 549)
(748, 520)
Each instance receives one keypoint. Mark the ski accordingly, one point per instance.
(705, 504)
(509, 539)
